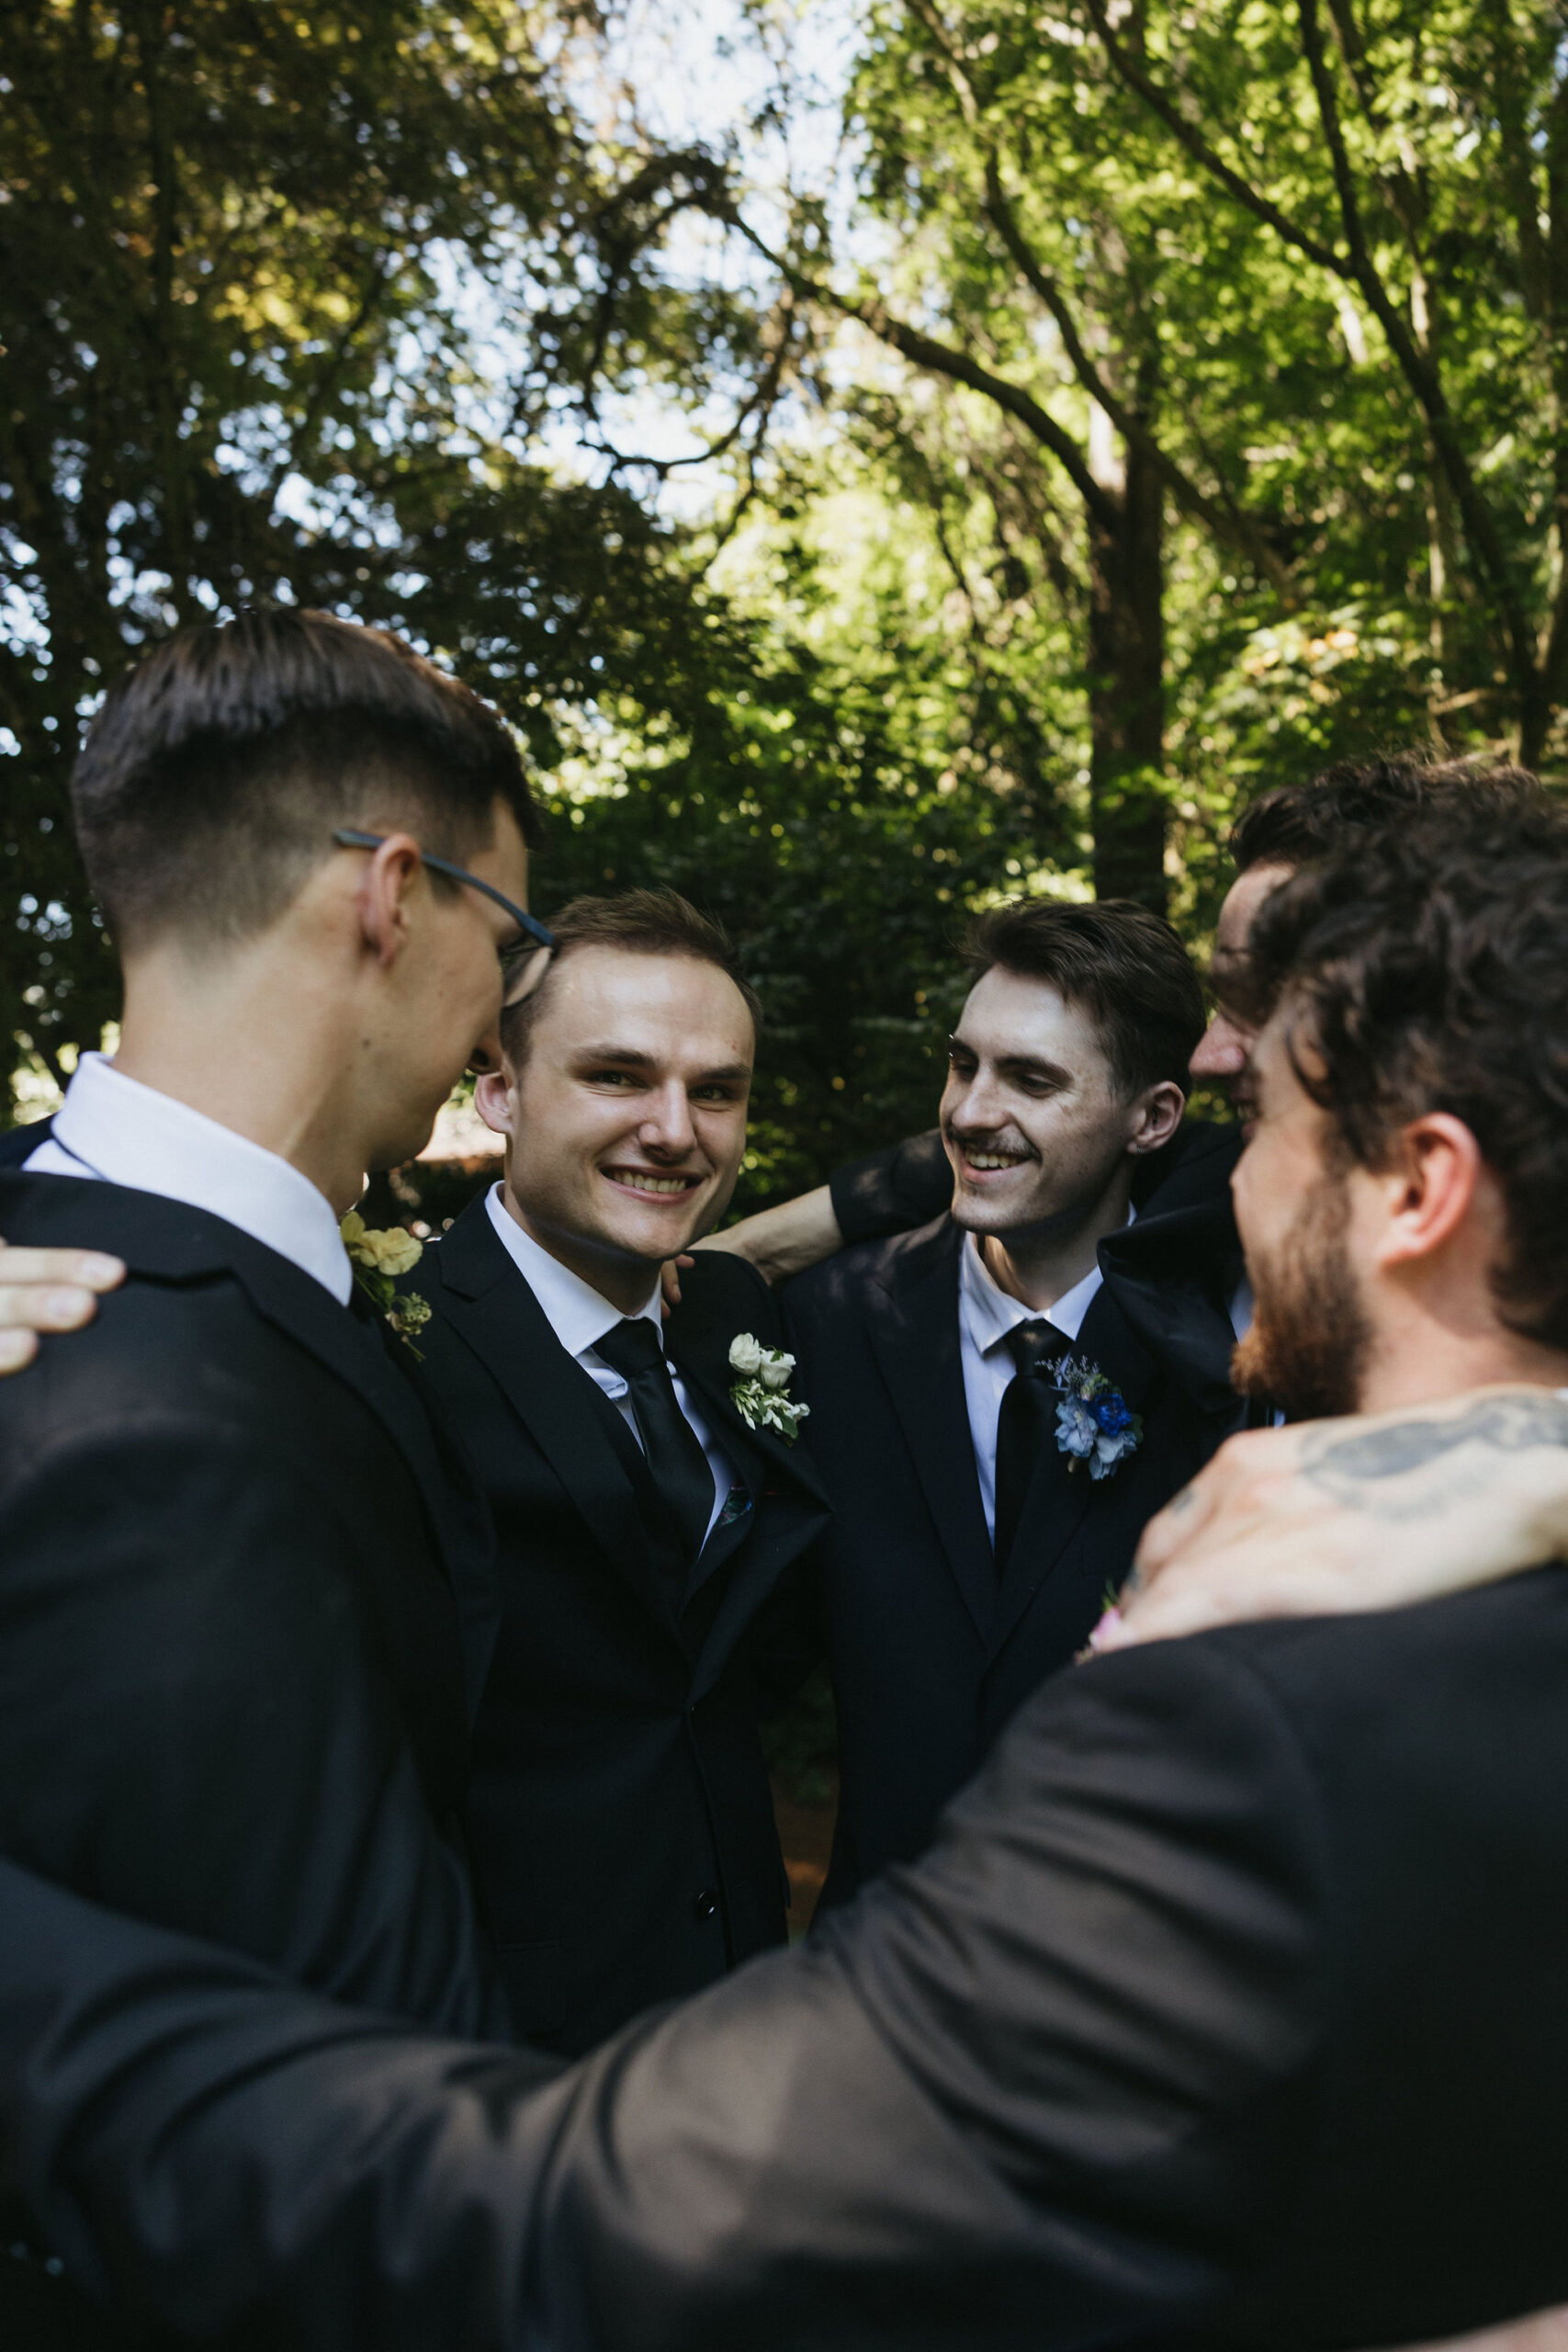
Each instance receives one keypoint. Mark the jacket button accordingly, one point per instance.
(704, 1904)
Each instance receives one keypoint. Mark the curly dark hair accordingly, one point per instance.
(1427, 970)
(1296, 823)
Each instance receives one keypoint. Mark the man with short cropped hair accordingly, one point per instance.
(246, 1598)
(1000, 1400)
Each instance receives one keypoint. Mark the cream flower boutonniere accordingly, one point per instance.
(378, 1256)
(758, 1391)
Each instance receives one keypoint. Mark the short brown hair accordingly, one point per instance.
(638, 922)
(1429, 971)
(1295, 824)
(211, 781)
(1124, 965)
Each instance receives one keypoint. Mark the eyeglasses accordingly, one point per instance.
(516, 959)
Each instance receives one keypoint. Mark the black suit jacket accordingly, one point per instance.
(931, 1652)
(236, 1573)
(620, 1819)
(1226, 2010)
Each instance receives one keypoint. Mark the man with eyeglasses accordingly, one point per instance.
(246, 1602)
(618, 1815)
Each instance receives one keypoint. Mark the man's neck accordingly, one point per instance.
(267, 1064)
(625, 1283)
(1443, 1366)
(1040, 1264)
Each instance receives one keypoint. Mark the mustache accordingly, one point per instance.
(988, 1139)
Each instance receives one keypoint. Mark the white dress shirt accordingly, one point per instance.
(580, 1317)
(987, 1314)
(114, 1128)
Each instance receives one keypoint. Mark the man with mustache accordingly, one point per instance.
(1226, 2007)
(985, 1508)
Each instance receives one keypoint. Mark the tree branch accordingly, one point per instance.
(328, 374)
(1189, 136)
(1402, 185)
(1518, 172)
(943, 360)
(1421, 376)
(1230, 527)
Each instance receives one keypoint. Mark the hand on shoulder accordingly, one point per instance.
(49, 1289)
(1370, 1511)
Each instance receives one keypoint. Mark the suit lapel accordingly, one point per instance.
(490, 1306)
(700, 1353)
(469, 1537)
(1060, 1497)
(767, 1466)
(360, 1352)
(17, 1145)
(175, 1242)
(916, 1344)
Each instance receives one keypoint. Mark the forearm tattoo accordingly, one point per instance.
(1357, 1469)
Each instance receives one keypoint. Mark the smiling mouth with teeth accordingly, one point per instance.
(984, 1160)
(644, 1180)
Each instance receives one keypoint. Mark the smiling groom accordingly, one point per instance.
(653, 1526)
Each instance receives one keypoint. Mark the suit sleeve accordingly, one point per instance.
(194, 1729)
(1037, 2091)
(892, 1190)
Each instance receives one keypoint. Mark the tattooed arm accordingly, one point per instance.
(1371, 1512)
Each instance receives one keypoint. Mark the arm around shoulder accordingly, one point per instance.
(1012, 2096)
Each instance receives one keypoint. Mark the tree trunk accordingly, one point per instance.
(1126, 699)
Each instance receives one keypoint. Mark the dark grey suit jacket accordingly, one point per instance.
(1226, 2009)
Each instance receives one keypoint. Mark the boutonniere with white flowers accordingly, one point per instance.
(758, 1391)
(379, 1254)
(1093, 1423)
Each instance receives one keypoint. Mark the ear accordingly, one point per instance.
(391, 874)
(495, 1102)
(1156, 1114)
(1430, 1188)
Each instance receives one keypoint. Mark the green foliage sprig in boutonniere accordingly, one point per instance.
(758, 1392)
(377, 1255)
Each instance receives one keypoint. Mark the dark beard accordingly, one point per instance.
(1309, 1342)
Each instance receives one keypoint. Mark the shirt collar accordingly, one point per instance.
(990, 1313)
(578, 1314)
(132, 1134)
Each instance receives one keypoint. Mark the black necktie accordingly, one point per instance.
(1027, 1422)
(676, 1460)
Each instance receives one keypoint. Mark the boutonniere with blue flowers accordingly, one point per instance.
(379, 1254)
(1093, 1423)
(758, 1391)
